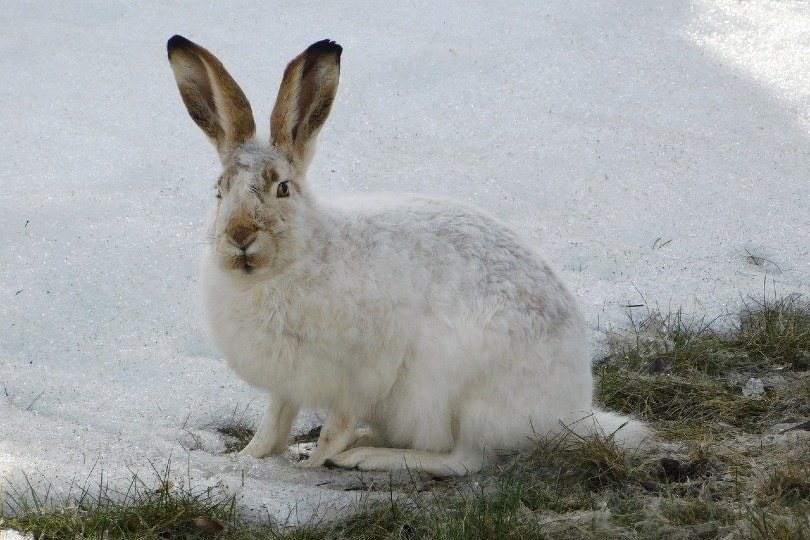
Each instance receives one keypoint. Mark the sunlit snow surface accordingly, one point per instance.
(654, 151)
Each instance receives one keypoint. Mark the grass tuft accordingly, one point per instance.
(161, 509)
(789, 482)
(776, 330)
(687, 377)
(771, 524)
(238, 435)
(767, 332)
(682, 406)
(595, 462)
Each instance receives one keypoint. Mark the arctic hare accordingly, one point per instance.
(430, 322)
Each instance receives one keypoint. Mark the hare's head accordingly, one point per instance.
(263, 211)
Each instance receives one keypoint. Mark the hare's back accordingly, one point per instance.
(445, 248)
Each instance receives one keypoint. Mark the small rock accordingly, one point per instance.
(208, 525)
(754, 387)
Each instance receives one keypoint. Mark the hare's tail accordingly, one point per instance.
(627, 433)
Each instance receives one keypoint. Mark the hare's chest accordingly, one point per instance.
(270, 341)
(248, 328)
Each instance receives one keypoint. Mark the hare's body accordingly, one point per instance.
(428, 321)
(470, 337)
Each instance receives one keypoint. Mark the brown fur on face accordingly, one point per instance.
(226, 178)
(270, 176)
(255, 230)
(242, 229)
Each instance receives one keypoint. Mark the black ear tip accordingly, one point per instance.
(326, 46)
(177, 42)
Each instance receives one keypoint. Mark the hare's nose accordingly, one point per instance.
(242, 236)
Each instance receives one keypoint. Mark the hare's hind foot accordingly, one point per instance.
(338, 433)
(394, 459)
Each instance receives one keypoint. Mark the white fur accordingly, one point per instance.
(431, 322)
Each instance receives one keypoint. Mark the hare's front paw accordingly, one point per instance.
(355, 458)
(311, 462)
(253, 451)
(259, 448)
(315, 456)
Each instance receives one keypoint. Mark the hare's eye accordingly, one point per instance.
(283, 190)
(219, 192)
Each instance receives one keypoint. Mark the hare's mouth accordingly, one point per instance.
(247, 264)
(243, 263)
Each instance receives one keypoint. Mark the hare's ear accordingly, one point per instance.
(304, 100)
(213, 99)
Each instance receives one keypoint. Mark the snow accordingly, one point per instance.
(12, 535)
(648, 148)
